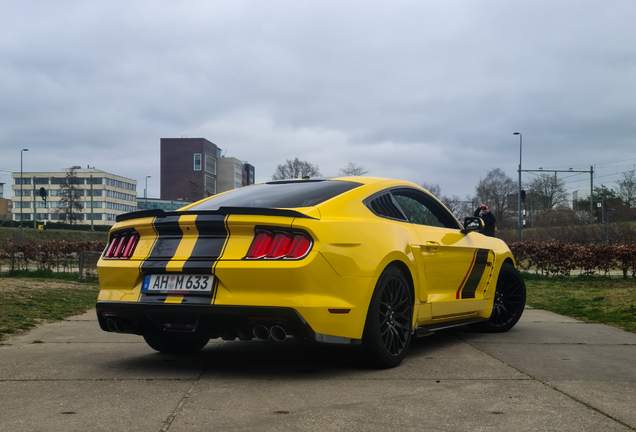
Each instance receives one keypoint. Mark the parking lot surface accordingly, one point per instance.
(550, 373)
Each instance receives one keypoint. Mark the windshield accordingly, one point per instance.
(285, 194)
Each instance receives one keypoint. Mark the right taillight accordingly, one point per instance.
(273, 245)
(122, 245)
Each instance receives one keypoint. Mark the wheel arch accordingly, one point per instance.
(407, 274)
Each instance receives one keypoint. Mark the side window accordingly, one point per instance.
(422, 209)
(417, 212)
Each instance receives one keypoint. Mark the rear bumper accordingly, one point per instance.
(213, 321)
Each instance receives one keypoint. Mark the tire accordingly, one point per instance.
(170, 344)
(510, 300)
(388, 327)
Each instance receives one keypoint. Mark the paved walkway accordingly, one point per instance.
(550, 373)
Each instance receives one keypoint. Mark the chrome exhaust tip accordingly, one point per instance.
(260, 332)
(110, 323)
(278, 333)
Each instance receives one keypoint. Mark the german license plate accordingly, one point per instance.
(178, 284)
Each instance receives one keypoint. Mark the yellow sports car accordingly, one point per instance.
(351, 261)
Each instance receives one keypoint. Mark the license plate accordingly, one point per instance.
(178, 284)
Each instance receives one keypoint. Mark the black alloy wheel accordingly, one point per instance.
(510, 300)
(172, 344)
(387, 331)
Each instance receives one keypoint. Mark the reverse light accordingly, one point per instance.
(270, 244)
(122, 245)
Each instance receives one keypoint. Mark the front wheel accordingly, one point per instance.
(171, 344)
(387, 330)
(510, 300)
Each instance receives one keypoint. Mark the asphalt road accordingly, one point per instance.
(549, 373)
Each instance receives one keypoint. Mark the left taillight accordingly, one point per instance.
(122, 245)
(274, 245)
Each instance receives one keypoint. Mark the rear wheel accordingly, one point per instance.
(171, 344)
(387, 331)
(510, 300)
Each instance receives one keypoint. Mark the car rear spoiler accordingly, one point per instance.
(221, 211)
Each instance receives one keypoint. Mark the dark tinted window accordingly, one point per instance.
(286, 194)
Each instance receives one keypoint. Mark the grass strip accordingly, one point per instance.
(26, 303)
(596, 299)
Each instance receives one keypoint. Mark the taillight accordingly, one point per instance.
(279, 245)
(122, 245)
(261, 245)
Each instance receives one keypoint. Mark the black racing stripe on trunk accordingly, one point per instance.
(153, 298)
(169, 236)
(476, 273)
(209, 245)
(190, 299)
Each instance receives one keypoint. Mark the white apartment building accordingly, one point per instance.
(102, 195)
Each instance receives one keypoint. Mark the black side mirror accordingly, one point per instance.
(472, 224)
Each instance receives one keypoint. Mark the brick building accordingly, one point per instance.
(195, 168)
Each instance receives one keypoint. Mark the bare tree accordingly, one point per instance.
(495, 191)
(433, 188)
(547, 192)
(627, 188)
(352, 169)
(292, 169)
(71, 207)
(458, 206)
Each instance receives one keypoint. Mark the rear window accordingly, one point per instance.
(284, 194)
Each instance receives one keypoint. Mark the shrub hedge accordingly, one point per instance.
(558, 258)
(58, 255)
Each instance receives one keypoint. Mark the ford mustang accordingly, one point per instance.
(350, 261)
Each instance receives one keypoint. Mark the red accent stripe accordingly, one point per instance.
(459, 290)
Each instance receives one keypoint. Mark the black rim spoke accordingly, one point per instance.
(394, 317)
(508, 301)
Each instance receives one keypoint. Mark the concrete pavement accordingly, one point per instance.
(550, 373)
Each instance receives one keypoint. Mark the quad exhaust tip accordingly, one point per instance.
(276, 333)
(115, 325)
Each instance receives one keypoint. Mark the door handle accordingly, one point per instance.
(432, 245)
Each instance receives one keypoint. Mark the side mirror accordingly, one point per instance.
(472, 224)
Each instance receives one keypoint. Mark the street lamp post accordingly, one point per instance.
(21, 151)
(146, 192)
(519, 192)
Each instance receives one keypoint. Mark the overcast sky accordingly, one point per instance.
(427, 91)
